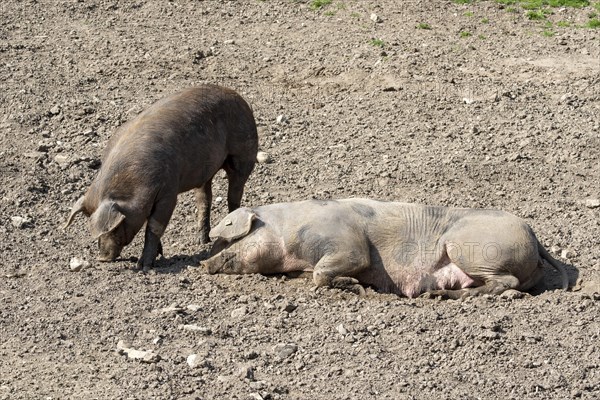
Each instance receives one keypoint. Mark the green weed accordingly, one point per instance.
(424, 25)
(318, 4)
(465, 34)
(535, 15)
(377, 42)
(593, 23)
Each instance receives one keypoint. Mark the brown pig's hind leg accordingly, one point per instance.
(203, 202)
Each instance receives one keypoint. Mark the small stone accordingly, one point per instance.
(288, 306)
(61, 159)
(77, 264)
(257, 385)
(44, 147)
(20, 222)
(567, 253)
(229, 41)
(194, 307)
(246, 372)
(239, 312)
(250, 355)
(196, 328)
(341, 329)
(512, 294)
(218, 199)
(468, 100)
(263, 158)
(55, 110)
(35, 154)
(375, 18)
(147, 356)
(281, 119)
(592, 203)
(173, 308)
(565, 98)
(284, 350)
(194, 361)
(255, 396)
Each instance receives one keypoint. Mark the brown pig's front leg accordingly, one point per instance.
(238, 170)
(157, 223)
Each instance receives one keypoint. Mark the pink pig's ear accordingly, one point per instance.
(234, 226)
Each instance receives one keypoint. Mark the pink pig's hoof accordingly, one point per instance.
(348, 284)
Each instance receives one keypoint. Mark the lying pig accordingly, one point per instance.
(400, 248)
(177, 144)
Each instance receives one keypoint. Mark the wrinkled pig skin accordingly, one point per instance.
(400, 248)
(176, 145)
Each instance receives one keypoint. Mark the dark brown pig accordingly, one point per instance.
(177, 144)
(407, 249)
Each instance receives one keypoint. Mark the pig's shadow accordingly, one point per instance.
(553, 279)
(179, 262)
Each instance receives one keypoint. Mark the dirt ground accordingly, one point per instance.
(483, 109)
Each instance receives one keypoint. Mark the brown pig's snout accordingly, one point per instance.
(108, 251)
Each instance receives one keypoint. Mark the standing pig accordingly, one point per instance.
(177, 144)
(400, 248)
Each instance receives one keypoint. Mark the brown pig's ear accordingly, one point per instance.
(106, 219)
(234, 226)
(76, 209)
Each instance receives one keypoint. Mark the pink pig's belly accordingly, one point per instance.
(412, 281)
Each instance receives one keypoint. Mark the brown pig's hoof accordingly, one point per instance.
(202, 240)
(143, 265)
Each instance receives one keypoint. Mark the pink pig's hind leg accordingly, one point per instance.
(494, 284)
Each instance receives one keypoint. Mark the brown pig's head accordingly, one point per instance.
(107, 225)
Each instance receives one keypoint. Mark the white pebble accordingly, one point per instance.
(375, 18)
(194, 360)
(20, 222)
(263, 158)
(592, 203)
(77, 264)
